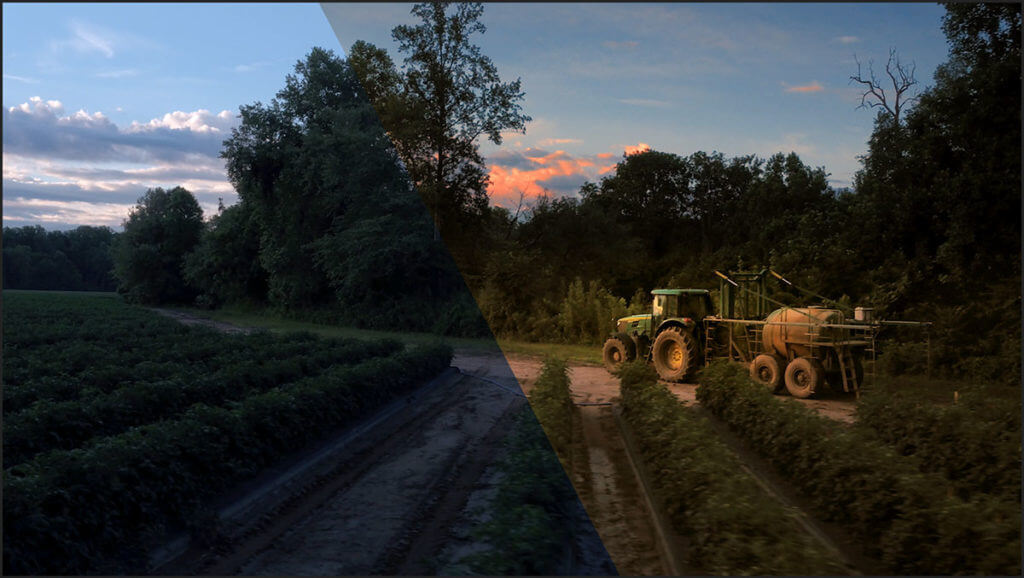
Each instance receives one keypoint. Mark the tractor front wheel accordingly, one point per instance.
(617, 351)
(675, 355)
(804, 375)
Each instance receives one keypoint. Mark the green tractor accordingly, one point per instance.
(671, 336)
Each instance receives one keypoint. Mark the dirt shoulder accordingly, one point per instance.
(593, 384)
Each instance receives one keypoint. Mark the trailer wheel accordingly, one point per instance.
(804, 376)
(675, 354)
(767, 370)
(617, 350)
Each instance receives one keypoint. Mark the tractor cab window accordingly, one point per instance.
(664, 305)
(694, 307)
(659, 305)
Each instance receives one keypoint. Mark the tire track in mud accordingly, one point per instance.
(616, 501)
(384, 500)
(375, 519)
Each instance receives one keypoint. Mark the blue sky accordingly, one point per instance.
(103, 101)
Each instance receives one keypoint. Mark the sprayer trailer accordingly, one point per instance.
(798, 349)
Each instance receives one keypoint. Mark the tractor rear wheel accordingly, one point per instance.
(617, 351)
(675, 354)
(804, 375)
(767, 370)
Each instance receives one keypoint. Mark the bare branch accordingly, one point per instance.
(900, 76)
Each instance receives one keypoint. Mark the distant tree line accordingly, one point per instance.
(346, 178)
(75, 260)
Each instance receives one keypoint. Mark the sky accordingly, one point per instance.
(104, 101)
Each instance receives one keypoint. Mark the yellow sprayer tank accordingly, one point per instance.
(793, 329)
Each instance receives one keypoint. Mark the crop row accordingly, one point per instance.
(910, 519)
(49, 425)
(77, 367)
(974, 445)
(95, 509)
(551, 402)
(732, 525)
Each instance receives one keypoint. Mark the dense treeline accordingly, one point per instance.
(330, 226)
(75, 260)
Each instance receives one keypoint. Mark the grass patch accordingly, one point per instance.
(587, 354)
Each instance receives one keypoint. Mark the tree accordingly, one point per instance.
(225, 266)
(449, 96)
(900, 75)
(159, 232)
(339, 228)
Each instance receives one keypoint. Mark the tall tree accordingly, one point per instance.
(159, 232)
(943, 187)
(339, 228)
(451, 96)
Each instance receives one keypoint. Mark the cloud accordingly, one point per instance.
(812, 87)
(42, 129)
(638, 148)
(627, 44)
(86, 40)
(548, 142)
(535, 172)
(117, 73)
(56, 165)
(645, 102)
(24, 79)
(200, 121)
(252, 66)
(27, 211)
(846, 39)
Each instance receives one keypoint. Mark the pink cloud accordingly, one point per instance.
(812, 87)
(639, 148)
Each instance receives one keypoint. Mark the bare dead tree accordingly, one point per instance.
(902, 78)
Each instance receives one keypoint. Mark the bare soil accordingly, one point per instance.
(189, 319)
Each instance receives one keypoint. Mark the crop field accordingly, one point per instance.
(120, 424)
(924, 489)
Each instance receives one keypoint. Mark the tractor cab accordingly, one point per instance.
(681, 304)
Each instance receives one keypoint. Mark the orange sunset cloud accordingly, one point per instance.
(639, 148)
(812, 87)
(535, 172)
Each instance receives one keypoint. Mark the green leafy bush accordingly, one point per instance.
(93, 510)
(733, 526)
(47, 425)
(552, 403)
(974, 444)
(911, 520)
(589, 312)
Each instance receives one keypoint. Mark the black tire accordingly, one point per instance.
(804, 376)
(675, 355)
(617, 351)
(767, 370)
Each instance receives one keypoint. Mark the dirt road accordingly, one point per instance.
(394, 499)
(593, 384)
